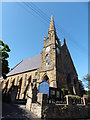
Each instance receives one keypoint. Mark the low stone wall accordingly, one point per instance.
(43, 109)
(36, 109)
(65, 111)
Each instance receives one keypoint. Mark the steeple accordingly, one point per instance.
(52, 26)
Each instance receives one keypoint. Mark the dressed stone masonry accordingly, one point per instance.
(54, 65)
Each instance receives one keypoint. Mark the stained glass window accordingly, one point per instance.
(47, 41)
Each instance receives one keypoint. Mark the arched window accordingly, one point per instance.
(25, 80)
(11, 79)
(47, 41)
(56, 42)
(17, 80)
(57, 50)
(47, 60)
(47, 49)
(35, 75)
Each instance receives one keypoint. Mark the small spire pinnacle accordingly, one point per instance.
(52, 26)
(64, 41)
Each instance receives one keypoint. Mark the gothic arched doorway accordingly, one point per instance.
(46, 78)
(44, 85)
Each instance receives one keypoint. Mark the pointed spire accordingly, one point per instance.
(64, 41)
(52, 26)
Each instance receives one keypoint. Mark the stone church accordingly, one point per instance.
(54, 65)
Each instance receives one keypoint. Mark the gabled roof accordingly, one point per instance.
(26, 65)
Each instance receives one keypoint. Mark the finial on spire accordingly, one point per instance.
(64, 41)
(52, 26)
(52, 18)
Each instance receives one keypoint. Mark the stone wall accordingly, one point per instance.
(64, 111)
(61, 80)
(37, 109)
(23, 86)
(43, 109)
(66, 74)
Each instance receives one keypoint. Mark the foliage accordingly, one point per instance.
(75, 97)
(4, 49)
(87, 92)
(87, 78)
(64, 91)
(81, 87)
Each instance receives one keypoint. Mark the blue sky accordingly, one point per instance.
(23, 29)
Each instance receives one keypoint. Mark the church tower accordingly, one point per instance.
(48, 56)
(57, 66)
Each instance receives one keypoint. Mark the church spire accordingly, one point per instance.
(52, 26)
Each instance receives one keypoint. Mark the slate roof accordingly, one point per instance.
(26, 65)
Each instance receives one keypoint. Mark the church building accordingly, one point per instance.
(53, 65)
